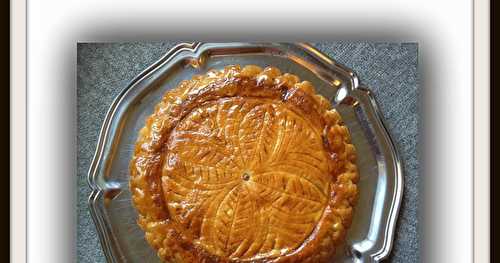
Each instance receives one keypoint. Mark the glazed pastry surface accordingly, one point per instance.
(244, 165)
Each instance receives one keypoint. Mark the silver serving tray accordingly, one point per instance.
(371, 235)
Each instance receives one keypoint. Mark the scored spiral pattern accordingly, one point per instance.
(244, 165)
(214, 148)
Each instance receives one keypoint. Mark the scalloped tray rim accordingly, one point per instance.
(193, 48)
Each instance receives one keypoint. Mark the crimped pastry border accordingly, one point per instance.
(146, 164)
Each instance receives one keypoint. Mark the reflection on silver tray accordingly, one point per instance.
(370, 237)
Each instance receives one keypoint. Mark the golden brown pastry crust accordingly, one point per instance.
(244, 164)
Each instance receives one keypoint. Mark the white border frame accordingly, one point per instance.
(71, 18)
(481, 131)
(18, 131)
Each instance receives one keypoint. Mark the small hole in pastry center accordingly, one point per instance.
(245, 176)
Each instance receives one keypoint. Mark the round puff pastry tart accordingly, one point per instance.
(244, 165)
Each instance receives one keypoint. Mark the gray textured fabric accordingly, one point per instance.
(389, 69)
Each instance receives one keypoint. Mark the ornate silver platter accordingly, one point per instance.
(370, 237)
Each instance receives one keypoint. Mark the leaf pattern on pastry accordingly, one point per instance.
(241, 164)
